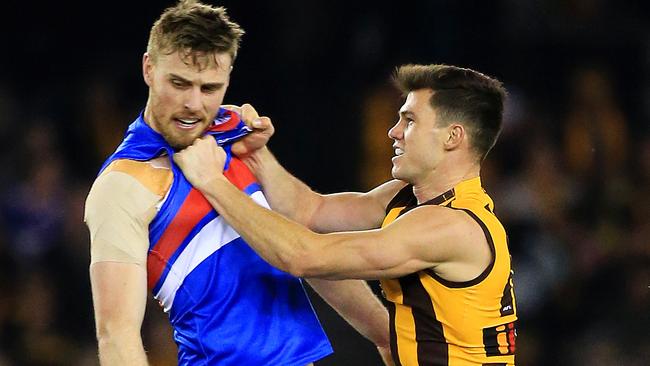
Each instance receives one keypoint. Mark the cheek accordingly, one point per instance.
(164, 92)
(213, 102)
(169, 96)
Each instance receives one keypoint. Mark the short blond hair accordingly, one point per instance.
(194, 29)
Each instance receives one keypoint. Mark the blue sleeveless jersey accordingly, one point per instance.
(227, 305)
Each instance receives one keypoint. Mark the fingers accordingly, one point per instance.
(251, 118)
(248, 113)
(265, 124)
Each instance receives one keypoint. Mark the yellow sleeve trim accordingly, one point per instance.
(156, 179)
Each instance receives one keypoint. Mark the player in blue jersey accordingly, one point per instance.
(152, 230)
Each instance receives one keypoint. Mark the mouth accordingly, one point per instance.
(187, 123)
(398, 151)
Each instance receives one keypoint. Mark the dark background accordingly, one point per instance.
(570, 175)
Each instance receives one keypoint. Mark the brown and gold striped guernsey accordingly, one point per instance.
(435, 322)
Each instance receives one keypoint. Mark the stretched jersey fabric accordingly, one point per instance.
(227, 305)
(436, 322)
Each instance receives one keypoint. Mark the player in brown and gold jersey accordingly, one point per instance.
(430, 235)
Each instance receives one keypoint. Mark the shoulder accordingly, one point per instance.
(154, 175)
(128, 188)
(446, 233)
(439, 217)
(390, 192)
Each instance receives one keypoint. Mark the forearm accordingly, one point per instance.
(285, 193)
(123, 348)
(278, 240)
(119, 300)
(358, 305)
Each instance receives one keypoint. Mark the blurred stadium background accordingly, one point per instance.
(570, 175)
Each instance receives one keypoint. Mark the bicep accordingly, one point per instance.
(118, 212)
(354, 211)
(418, 240)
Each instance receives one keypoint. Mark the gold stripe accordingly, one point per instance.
(405, 329)
(392, 215)
(157, 180)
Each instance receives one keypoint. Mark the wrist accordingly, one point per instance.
(211, 183)
(255, 160)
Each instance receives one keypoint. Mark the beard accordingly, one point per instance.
(176, 138)
(179, 142)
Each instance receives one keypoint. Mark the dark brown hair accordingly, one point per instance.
(196, 30)
(460, 95)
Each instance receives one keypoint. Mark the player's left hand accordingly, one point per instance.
(262, 130)
(202, 162)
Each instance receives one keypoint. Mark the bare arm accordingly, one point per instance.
(423, 238)
(291, 197)
(356, 303)
(119, 298)
(118, 210)
(322, 213)
(410, 244)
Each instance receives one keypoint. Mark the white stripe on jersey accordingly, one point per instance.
(208, 240)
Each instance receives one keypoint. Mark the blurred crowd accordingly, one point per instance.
(570, 175)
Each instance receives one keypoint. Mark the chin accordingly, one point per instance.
(396, 174)
(178, 143)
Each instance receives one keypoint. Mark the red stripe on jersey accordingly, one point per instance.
(239, 174)
(193, 209)
(233, 121)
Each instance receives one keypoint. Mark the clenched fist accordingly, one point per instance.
(202, 162)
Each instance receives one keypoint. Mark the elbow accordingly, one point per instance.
(306, 263)
(110, 333)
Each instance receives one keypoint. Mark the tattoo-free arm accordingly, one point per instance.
(119, 299)
(422, 238)
(322, 213)
(357, 304)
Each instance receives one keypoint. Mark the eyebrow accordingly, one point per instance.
(174, 76)
(209, 85)
(407, 113)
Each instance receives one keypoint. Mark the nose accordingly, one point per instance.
(396, 132)
(193, 99)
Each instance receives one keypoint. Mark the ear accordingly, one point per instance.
(147, 66)
(455, 137)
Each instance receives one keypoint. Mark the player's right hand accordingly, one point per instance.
(202, 162)
(262, 130)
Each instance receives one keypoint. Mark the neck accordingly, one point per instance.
(443, 179)
(148, 117)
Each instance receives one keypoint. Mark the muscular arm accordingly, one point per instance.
(322, 213)
(423, 238)
(119, 298)
(356, 303)
(118, 210)
(413, 242)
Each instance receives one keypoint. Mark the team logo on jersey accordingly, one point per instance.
(500, 340)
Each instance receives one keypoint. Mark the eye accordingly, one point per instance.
(409, 122)
(209, 89)
(177, 83)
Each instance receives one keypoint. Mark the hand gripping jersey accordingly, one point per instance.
(435, 322)
(227, 305)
